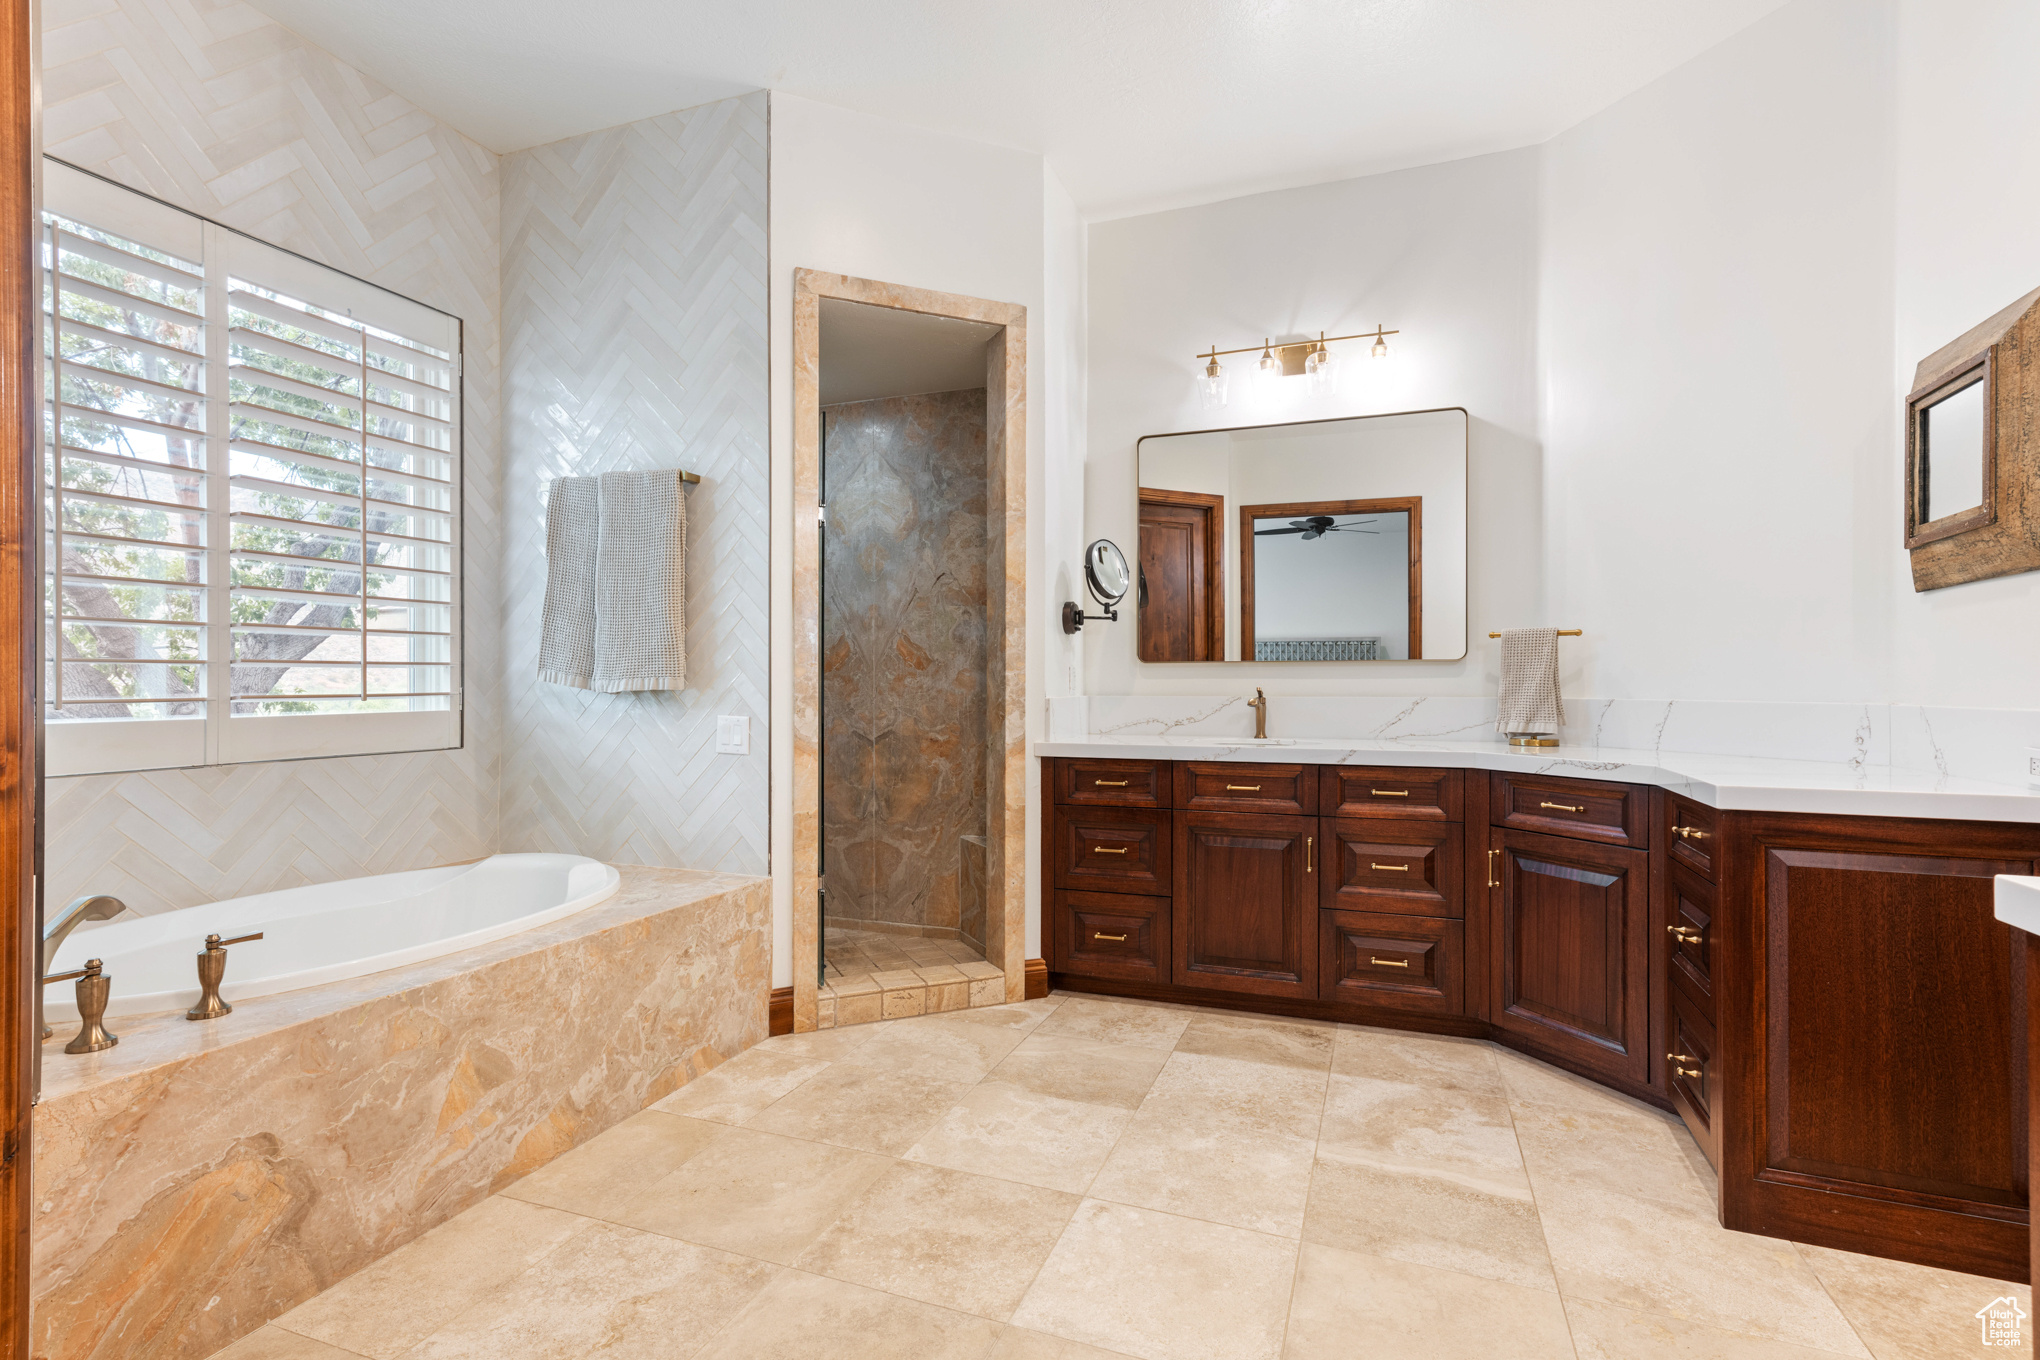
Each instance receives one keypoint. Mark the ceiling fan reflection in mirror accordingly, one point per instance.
(1317, 526)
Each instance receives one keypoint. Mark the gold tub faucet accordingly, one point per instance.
(212, 968)
(94, 990)
(96, 907)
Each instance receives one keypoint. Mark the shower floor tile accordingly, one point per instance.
(876, 974)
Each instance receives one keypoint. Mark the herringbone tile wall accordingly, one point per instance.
(212, 106)
(634, 323)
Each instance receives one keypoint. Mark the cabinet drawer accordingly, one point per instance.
(1112, 783)
(1615, 814)
(1691, 1070)
(1377, 865)
(1404, 963)
(1364, 791)
(1122, 850)
(1690, 909)
(1226, 786)
(1111, 935)
(1690, 833)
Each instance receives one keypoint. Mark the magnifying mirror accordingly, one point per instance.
(1107, 577)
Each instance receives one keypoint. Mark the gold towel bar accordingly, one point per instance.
(1563, 632)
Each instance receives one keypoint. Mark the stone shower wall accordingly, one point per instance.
(903, 660)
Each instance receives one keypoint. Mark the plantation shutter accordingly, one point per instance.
(254, 497)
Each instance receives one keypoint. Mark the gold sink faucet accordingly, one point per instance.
(1259, 703)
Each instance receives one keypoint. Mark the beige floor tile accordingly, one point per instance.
(1629, 1151)
(810, 1317)
(1349, 1305)
(609, 1291)
(1284, 1043)
(945, 1237)
(1162, 1287)
(1602, 1331)
(1117, 1022)
(1660, 1258)
(1901, 1310)
(743, 1086)
(1253, 1095)
(1022, 1135)
(756, 1194)
(978, 968)
(1428, 1221)
(945, 1047)
(1081, 1069)
(1210, 1167)
(1396, 1127)
(1436, 1061)
(274, 1343)
(383, 1309)
(818, 1045)
(1526, 1079)
(877, 1109)
(606, 1175)
(1017, 1343)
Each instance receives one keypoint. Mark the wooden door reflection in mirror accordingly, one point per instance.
(1181, 602)
(1333, 580)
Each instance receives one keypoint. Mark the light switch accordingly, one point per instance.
(732, 736)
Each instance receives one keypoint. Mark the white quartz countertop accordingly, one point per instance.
(2018, 902)
(1728, 782)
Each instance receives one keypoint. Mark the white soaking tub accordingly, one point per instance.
(325, 933)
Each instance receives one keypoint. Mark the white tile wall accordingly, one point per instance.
(211, 105)
(634, 301)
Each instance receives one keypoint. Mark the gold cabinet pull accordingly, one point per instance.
(1108, 783)
(1388, 963)
(1243, 788)
(1101, 935)
(1391, 868)
(1108, 849)
(1562, 807)
(1689, 833)
(1309, 853)
(1677, 1060)
(1491, 868)
(1390, 793)
(1684, 934)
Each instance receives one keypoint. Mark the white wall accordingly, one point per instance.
(1968, 195)
(1717, 322)
(1447, 254)
(865, 196)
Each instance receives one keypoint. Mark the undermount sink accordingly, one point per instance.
(2018, 902)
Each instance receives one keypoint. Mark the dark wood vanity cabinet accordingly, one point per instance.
(1827, 1002)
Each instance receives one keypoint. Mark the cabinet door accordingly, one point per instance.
(1571, 951)
(1246, 903)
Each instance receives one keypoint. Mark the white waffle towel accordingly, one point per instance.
(1530, 702)
(616, 583)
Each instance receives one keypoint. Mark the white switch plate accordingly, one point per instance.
(2033, 766)
(732, 736)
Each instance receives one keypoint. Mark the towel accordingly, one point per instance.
(566, 640)
(616, 583)
(1529, 699)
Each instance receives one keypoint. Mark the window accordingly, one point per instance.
(253, 497)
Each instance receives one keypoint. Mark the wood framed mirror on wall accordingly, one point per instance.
(1972, 453)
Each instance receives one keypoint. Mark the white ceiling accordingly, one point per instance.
(871, 352)
(1137, 104)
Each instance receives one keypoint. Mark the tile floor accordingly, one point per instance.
(1082, 1177)
(872, 975)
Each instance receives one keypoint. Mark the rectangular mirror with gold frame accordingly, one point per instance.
(1330, 540)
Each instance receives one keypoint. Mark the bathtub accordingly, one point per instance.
(328, 932)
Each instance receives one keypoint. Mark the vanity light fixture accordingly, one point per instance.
(1313, 358)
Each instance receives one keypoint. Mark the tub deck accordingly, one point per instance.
(203, 1177)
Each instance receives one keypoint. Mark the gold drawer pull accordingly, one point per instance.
(1108, 783)
(1101, 935)
(1678, 1059)
(1562, 807)
(1390, 793)
(1684, 934)
(1491, 869)
(1689, 833)
(1391, 868)
(1243, 788)
(1108, 849)
(1388, 963)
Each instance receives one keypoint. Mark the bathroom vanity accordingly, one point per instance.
(1823, 996)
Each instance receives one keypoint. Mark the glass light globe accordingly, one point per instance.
(1321, 367)
(1212, 384)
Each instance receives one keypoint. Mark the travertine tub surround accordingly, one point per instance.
(200, 1179)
